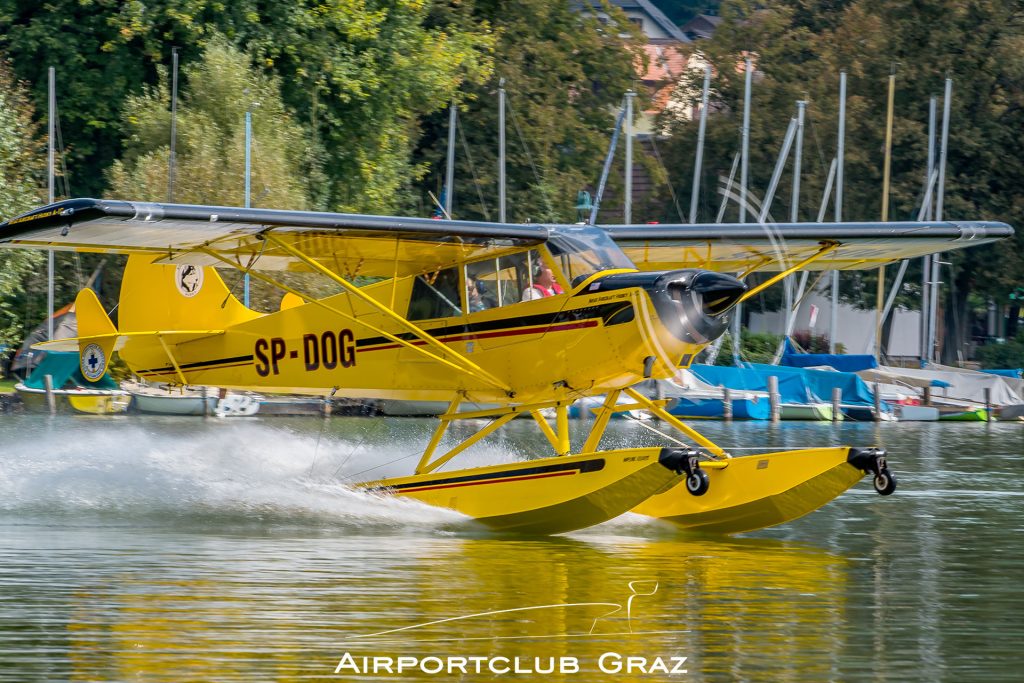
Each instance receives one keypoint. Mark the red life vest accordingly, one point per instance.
(555, 289)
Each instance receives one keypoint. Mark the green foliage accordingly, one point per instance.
(565, 74)
(210, 149)
(800, 48)
(21, 172)
(814, 343)
(1009, 354)
(681, 11)
(363, 71)
(755, 347)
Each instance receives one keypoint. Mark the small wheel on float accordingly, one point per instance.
(697, 483)
(885, 482)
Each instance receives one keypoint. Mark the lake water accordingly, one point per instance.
(152, 549)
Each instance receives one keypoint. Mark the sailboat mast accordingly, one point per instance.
(248, 188)
(501, 151)
(937, 258)
(926, 262)
(840, 151)
(886, 176)
(449, 171)
(172, 157)
(627, 210)
(700, 144)
(737, 320)
(51, 193)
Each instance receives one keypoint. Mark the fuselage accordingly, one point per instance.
(583, 333)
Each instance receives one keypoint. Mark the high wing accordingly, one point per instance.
(384, 246)
(749, 247)
(348, 244)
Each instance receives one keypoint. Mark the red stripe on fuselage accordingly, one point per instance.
(486, 481)
(473, 336)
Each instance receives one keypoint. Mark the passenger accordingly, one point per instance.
(544, 284)
(474, 300)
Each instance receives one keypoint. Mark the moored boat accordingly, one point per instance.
(71, 392)
(167, 400)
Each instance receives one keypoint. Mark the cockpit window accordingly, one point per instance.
(509, 280)
(584, 251)
(435, 295)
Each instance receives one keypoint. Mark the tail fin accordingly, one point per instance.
(176, 297)
(97, 336)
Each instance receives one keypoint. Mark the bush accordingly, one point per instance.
(755, 347)
(1009, 354)
(815, 343)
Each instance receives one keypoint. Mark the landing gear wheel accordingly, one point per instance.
(885, 482)
(697, 483)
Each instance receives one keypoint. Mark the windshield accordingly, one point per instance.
(583, 251)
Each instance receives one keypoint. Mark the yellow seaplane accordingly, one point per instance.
(497, 320)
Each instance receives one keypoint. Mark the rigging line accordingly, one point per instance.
(406, 457)
(817, 142)
(323, 424)
(66, 184)
(414, 454)
(472, 170)
(671, 188)
(352, 452)
(529, 156)
(60, 148)
(657, 431)
(241, 278)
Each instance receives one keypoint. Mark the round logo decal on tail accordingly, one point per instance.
(188, 279)
(93, 362)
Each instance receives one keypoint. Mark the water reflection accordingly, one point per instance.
(734, 608)
(148, 555)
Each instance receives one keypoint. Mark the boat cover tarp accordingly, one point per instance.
(1014, 373)
(64, 370)
(65, 326)
(889, 375)
(796, 385)
(844, 362)
(1015, 385)
(963, 385)
(792, 387)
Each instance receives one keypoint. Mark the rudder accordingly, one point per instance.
(156, 296)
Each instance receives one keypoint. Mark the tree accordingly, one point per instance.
(210, 148)
(565, 73)
(681, 11)
(21, 173)
(800, 47)
(364, 72)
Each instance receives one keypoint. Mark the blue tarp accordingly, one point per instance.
(63, 368)
(792, 387)
(844, 362)
(821, 383)
(796, 385)
(1016, 374)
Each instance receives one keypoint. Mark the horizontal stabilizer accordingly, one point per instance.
(171, 337)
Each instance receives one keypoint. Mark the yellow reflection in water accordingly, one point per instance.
(738, 608)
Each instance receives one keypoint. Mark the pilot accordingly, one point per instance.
(473, 298)
(544, 284)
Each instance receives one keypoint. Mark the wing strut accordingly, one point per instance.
(499, 417)
(467, 365)
(471, 370)
(170, 356)
(754, 291)
(660, 412)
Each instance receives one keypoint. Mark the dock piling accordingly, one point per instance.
(51, 400)
(773, 398)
